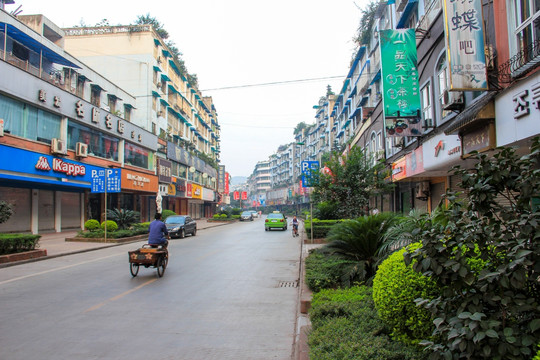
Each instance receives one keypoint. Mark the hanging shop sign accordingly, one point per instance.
(399, 74)
(221, 178)
(399, 169)
(208, 195)
(171, 189)
(164, 171)
(189, 190)
(464, 30)
(481, 139)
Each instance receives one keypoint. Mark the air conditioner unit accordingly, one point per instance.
(452, 100)
(58, 147)
(81, 150)
(422, 190)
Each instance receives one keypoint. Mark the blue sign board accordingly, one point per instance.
(310, 173)
(113, 179)
(29, 166)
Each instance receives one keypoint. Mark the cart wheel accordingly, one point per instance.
(161, 265)
(134, 269)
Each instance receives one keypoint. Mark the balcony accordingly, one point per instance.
(520, 64)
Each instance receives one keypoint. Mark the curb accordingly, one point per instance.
(20, 262)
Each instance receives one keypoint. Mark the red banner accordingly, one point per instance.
(244, 195)
(236, 195)
(189, 190)
(226, 187)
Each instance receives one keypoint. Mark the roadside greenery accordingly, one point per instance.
(123, 218)
(468, 286)
(349, 182)
(6, 210)
(16, 243)
(345, 326)
(494, 312)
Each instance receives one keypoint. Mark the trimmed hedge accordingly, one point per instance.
(16, 243)
(111, 226)
(395, 288)
(320, 227)
(345, 326)
(324, 271)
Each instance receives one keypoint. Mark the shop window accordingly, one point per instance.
(27, 121)
(127, 112)
(112, 103)
(80, 86)
(99, 144)
(136, 156)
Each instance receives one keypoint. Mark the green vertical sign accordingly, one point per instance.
(399, 76)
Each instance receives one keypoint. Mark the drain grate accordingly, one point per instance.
(291, 284)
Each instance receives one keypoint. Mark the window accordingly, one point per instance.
(27, 121)
(95, 95)
(137, 156)
(127, 112)
(526, 26)
(427, 106)
(112, 103)
(80, 86)
(442, 82)
(99, 144)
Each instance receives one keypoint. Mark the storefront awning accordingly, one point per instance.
(469, 115)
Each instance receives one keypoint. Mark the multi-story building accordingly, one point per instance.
(259, 182)
(168, 105)
(56, 134)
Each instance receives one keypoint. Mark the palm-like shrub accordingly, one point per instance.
(123, 218)
(360, 240)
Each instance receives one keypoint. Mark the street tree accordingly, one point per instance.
(348, 182)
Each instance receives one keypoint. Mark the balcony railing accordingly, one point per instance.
(520, 64)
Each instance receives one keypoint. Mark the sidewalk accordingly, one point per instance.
(56, 245)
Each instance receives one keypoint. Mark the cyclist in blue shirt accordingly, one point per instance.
(157, 232)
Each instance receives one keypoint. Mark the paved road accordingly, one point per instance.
(224, 295)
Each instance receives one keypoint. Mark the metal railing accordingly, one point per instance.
(520, 64)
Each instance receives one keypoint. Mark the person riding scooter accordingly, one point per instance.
(295, 225)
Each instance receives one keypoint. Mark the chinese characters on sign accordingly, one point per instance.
(399, 75)
(310, 173)
(110, 176)
(522, 105)
(465, 44)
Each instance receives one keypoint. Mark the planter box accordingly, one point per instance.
(23, 256)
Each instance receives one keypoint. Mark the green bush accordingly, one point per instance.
(6, 210)
(140, 228)
(111, 226)
(345, 326)
(395, 288)
(235, 217)
(537, 357)
(320, 227)
(236, 211)
(324, 271)
(92, 225)
(326, 210)
(166, 213)
(15, 243)
(216, 216)
(223, 216)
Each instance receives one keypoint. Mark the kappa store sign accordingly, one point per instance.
(24, 165)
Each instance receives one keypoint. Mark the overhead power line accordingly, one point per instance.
(275, 83)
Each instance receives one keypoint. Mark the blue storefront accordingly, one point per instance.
(47, 192)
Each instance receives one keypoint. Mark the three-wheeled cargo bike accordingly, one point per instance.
(148, 256)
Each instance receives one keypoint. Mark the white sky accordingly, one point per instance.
(238, 42)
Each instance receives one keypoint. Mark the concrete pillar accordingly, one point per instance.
(35, 211)
(58, 211)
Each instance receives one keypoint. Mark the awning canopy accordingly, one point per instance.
(406, 13)
(36, 46)
(469, 115)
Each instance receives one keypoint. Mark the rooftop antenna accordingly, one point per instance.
(17, 11)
